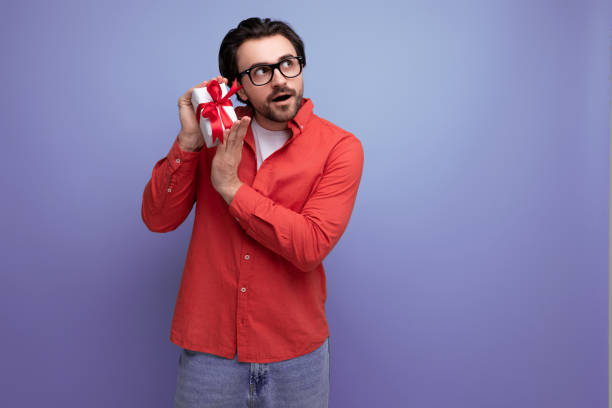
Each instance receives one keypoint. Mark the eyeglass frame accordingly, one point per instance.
(273, 67)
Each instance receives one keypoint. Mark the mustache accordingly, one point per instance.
(282, 91)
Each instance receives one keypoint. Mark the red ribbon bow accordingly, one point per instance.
(214, 112)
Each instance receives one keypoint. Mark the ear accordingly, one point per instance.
(242, 94)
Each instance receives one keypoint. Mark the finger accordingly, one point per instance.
(186, 97)
(231, 136)
(224, 143)
(239, 129)
(222, 79)
(243, 127)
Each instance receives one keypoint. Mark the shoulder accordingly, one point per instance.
(335, 134)
(344, 148)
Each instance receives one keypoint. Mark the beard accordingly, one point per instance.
(281, 112)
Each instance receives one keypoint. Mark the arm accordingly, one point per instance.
(305, 238)
(170, 193)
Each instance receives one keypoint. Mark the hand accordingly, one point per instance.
(224, 167)
(190, 137)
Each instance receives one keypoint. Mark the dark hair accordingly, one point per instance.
(253, 27)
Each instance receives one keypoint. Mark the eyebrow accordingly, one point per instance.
(265, 63)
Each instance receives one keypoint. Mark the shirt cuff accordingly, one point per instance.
(179, 158)
(243, 204)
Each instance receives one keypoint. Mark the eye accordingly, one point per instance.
(288, 63)
(261, 71)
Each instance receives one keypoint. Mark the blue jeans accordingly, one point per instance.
(210, 381)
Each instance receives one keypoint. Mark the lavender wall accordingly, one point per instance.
(474, 272)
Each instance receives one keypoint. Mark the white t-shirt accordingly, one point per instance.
(267, 141)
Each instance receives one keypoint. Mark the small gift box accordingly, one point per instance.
(214, 110)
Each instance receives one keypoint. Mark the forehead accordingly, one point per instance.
(266, 50)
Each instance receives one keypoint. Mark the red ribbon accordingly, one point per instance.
(214, 112)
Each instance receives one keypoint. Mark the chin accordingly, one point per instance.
(281, 115)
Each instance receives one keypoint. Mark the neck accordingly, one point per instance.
(269, 124)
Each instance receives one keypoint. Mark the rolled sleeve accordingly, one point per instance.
(305, 238)
(169, 195)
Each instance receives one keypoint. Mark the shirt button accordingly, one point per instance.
(247, 257)
(243, 290)
(169, 190)
(178, 160)
(236, 218)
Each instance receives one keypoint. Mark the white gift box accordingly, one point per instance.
(201, 95)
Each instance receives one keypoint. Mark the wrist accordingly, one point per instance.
(189, 142)
(230, 191)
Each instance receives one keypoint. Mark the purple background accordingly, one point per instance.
(473, 273)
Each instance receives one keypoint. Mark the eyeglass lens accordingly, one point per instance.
(289, 67)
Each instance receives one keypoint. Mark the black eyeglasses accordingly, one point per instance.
(262, 74)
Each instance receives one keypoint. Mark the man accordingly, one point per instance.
(272, 200)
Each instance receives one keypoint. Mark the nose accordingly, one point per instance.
(277, 77)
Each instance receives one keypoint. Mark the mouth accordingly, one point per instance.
(281, 98)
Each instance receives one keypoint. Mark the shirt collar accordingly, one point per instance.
(304, 113)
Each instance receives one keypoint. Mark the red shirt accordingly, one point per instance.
(253, 280)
